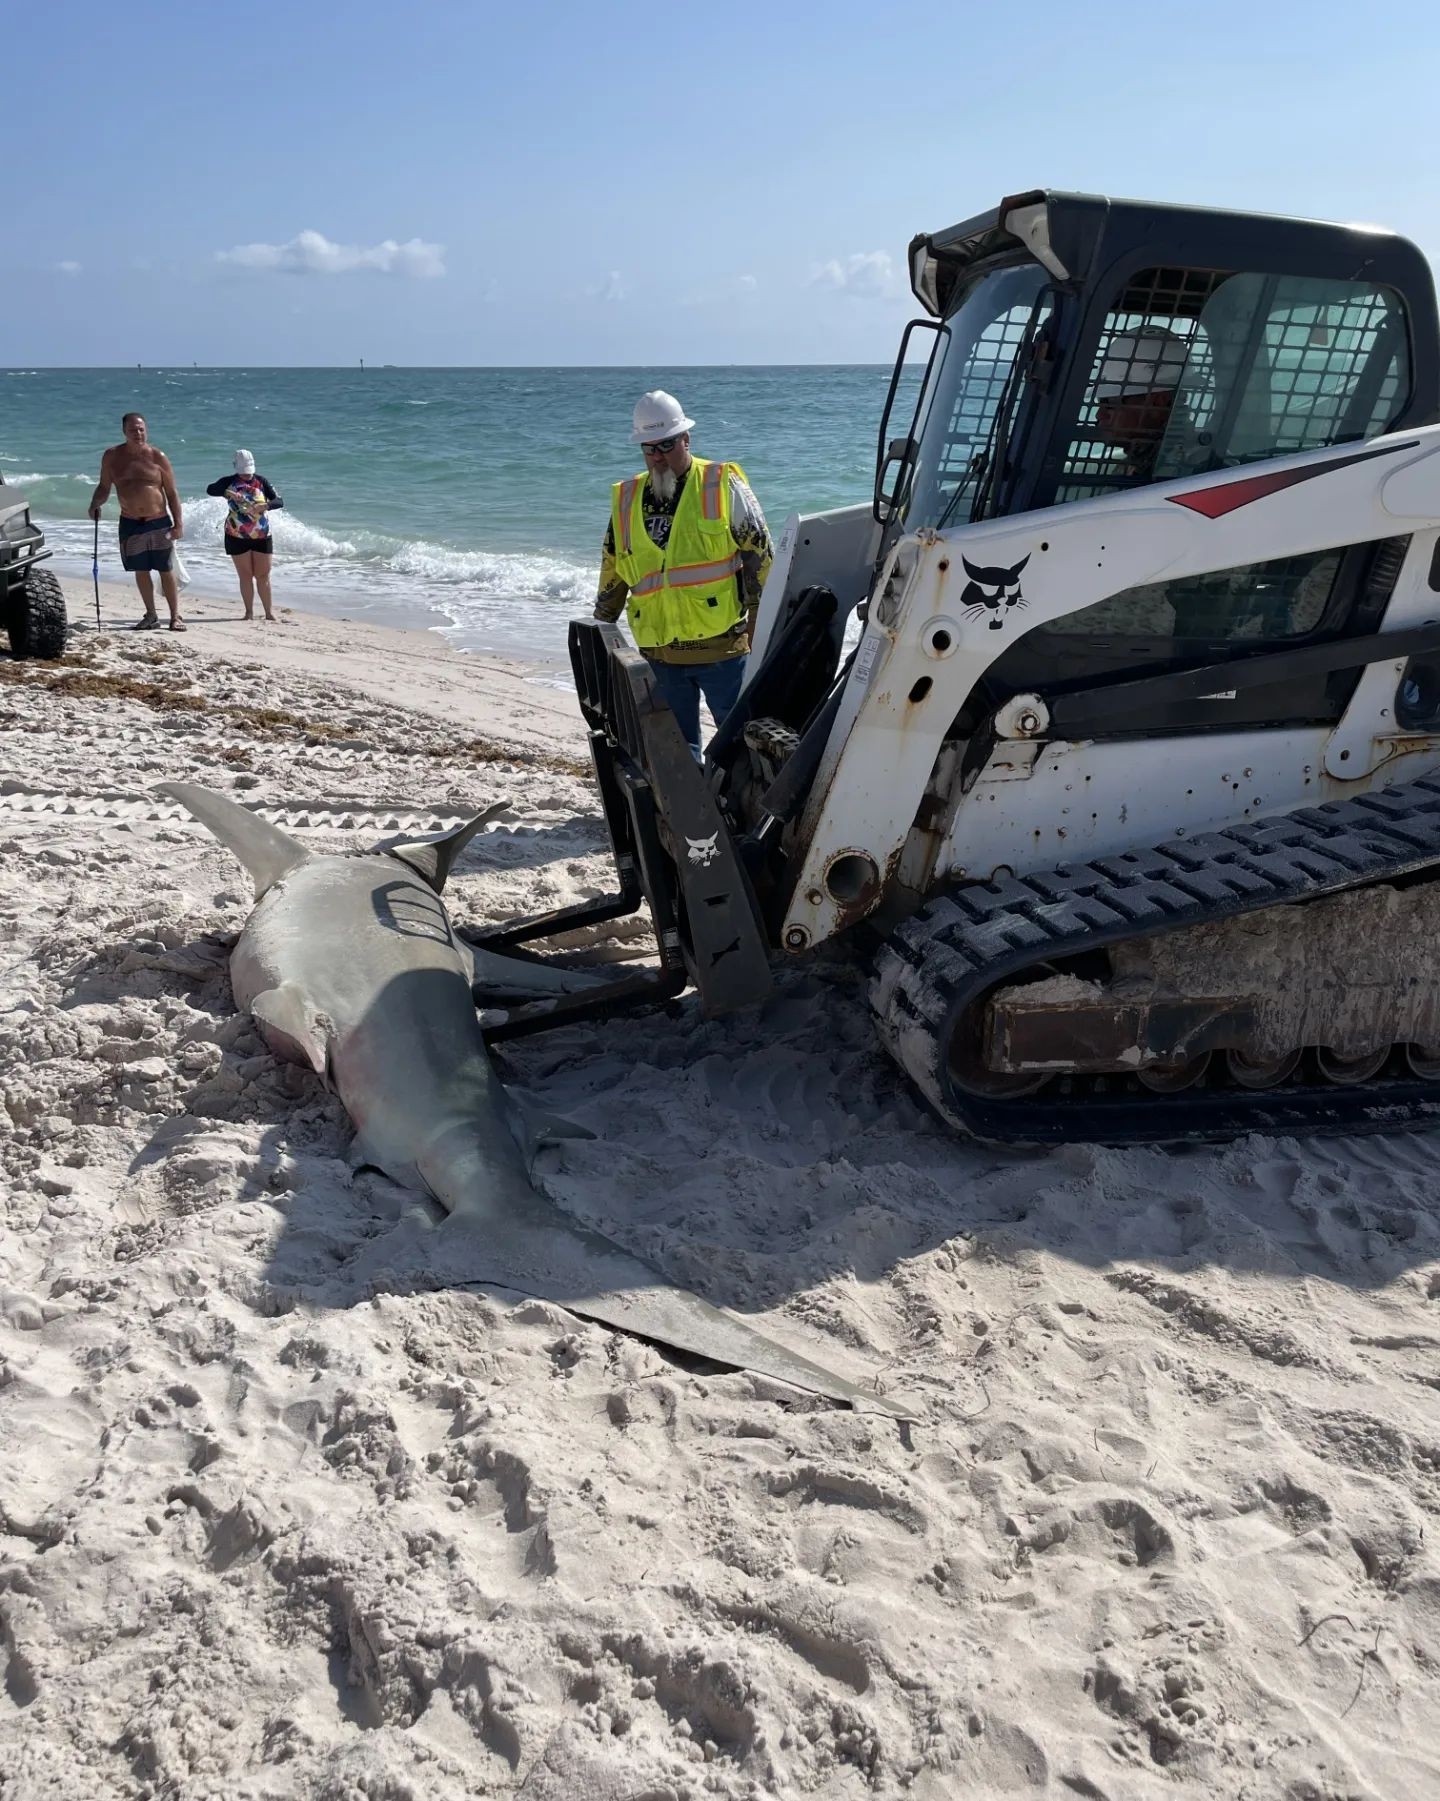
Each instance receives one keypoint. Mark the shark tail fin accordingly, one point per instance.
(266, 851)
(434, 858)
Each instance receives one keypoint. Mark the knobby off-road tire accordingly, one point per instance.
(35, 614)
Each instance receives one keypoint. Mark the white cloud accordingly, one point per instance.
(866, 275)
(312, 253)
(68, 268)
(721, 292)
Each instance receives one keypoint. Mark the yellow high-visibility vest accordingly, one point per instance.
(690, 591)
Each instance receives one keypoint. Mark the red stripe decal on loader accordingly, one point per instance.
(1214, 503)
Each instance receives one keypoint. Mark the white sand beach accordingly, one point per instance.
(1164, 1523)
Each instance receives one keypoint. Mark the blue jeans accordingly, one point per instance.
(680, 686)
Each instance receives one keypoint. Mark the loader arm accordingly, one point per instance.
(885, 810)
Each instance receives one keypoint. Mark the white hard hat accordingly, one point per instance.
(244, 463)
(1145, 361)
(658, 415)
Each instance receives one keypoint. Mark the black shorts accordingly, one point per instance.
(145, 545)
(237, 547)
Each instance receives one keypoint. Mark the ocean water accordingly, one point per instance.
(472, 500)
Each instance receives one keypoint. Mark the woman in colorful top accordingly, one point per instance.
(250, 499)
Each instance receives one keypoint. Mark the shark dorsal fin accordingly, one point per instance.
(266, 851)
(434, 858)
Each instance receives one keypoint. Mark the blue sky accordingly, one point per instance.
(443, 182)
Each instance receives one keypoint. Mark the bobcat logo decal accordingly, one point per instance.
(992, 591)
(703, 851)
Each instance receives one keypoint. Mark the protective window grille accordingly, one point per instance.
(1318, 355)
(1155, 320)
(977, 397)
(1237, 367)
(974, 399)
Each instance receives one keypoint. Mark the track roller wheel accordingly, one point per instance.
(966, 1063)
(1260, 1072)
(1174, 1078)
(1346, 1071)
(1423, 1060)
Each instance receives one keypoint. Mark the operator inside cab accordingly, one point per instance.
(1139, 408)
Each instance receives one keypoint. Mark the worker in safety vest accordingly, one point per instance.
(686, 555)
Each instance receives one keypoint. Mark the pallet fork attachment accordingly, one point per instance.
(672, 850)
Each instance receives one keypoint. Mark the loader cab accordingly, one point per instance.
(1281, 335)
(1085, 346)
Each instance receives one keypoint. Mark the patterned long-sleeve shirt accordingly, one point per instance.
(250, 498)
(752, 540)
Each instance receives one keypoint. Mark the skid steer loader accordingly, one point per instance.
(1111, 730)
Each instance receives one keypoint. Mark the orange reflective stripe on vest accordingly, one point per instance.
(688, 575)
(626, 508)
(710, 490)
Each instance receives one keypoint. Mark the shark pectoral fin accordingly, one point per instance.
(535, 1127)
(497, 980)
(364, 1153)
(291, 1027)
(433, 858)
(266, 851)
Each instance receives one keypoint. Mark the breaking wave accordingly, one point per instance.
(44, 491)
(515, 603)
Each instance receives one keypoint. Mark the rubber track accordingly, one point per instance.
(297, 815)
(964, 942)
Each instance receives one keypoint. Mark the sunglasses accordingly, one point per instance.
(661, 446)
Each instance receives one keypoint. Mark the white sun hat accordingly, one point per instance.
(1148, 360)
(658, 415)
(244, 463)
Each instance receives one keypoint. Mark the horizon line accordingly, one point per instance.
(162, 368)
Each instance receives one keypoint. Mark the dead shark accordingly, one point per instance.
(349, 965)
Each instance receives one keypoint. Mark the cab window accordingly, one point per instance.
(1198, 370)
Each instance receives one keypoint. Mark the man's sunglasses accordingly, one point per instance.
(661, 446)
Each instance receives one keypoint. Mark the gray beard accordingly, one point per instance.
(662, 484)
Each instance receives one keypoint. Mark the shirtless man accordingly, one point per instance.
(150, 517)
